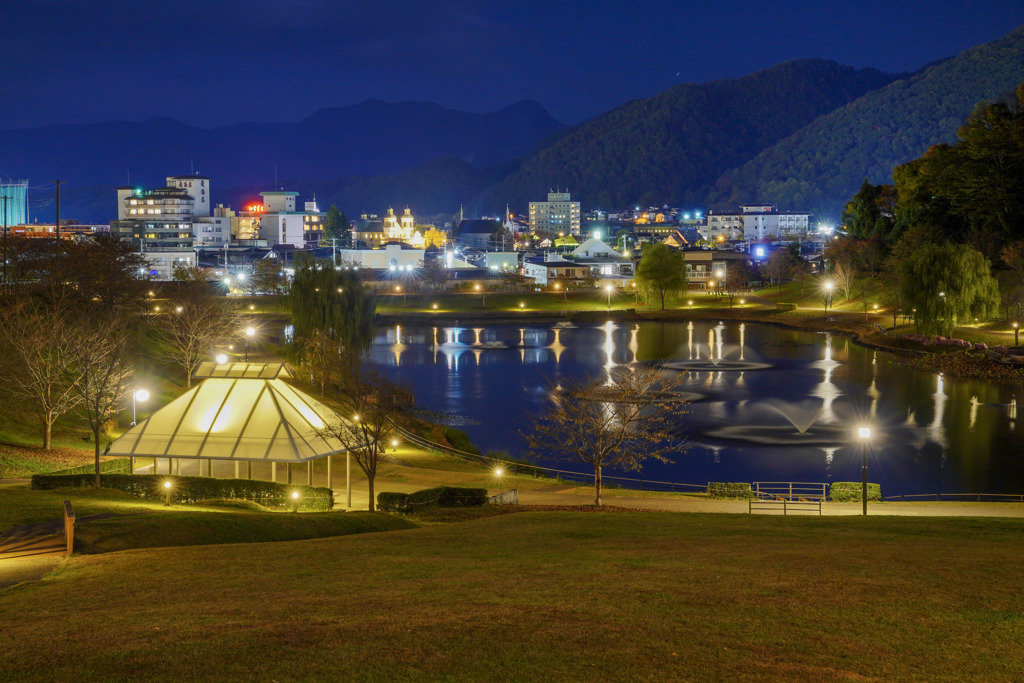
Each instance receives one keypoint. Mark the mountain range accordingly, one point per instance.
(803, 135)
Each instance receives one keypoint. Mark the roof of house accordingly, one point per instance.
(478, 226)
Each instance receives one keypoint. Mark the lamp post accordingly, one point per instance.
(608, 290)
(249, 331)
(141, 396)
(167, 492)
(483, 295)
(222, 358)
(865, 435)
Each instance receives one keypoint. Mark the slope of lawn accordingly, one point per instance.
(543, 595)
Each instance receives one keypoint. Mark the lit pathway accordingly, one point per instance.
(29, 551)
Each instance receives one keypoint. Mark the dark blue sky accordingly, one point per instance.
(215, 62)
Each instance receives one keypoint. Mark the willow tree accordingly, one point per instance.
(661, 273)
(334, 301)
(945, 284)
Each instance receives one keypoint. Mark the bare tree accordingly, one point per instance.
(190, 326)
(842, 276)
(39, 361)
(778, 267)
(618, 422)
(104, 347)
(365, 425)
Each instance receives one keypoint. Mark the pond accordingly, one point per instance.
(773, 405)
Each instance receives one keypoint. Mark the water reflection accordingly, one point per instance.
(933, 441)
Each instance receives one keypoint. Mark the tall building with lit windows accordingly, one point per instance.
(559, 214)
(160, 223)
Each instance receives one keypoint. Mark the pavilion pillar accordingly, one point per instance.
(199, 467)
(273, 471)
(209, 467)
(248, 469)
(177, 466)
(309, 473)
(288, 472)
(348, 479)
(131, 464)
(330, 472)
(237, 475)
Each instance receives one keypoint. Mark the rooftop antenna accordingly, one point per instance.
(192, 166)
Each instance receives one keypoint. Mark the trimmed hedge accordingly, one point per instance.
(849, 491)
(460, 440)
(785, 307)
(196, 489)
(729, 489)
(440, 496)
(115, 466)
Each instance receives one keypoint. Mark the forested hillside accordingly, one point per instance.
(823, 164)
(672, 147)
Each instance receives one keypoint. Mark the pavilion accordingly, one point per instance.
(241, 413)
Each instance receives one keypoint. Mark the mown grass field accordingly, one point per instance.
(538, 595)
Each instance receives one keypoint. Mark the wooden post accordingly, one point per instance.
(273, 471)
(248, 469)
(209, 467)
(131, 464)
(237, 475)
(69, 525)
(330, 472)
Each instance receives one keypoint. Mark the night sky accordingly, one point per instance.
(213, 62)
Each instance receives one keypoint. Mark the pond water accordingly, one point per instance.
(774, 405)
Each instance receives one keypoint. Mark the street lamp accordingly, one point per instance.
(608, 289)
(167, 492)
(140, 395)
(295, 501)
(222, 358)
(483, 295)
(249, 331)
(865, 435)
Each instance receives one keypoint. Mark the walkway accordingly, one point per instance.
(29, 551)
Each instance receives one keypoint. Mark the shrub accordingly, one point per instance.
(730, 489)
(196, 489)
(389, 501)
(849, 491)
(459, 440)
(440, 496)
(785, 307)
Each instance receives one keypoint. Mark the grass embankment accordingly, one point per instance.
(554, 596)
(150, 524)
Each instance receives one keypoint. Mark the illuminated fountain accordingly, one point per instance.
(711, 361)
(802, 427)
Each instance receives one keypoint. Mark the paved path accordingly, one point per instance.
(29, 551)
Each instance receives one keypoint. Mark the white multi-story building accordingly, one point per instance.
(196, 185)
(754, 223)
(559, 214)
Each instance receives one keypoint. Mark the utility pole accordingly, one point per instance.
(334, 251)
(5, 244)
(58, 210)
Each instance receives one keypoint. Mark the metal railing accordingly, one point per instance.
(784, 506)
(789, 490)
(976, 497)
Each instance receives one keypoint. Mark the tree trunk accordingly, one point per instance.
(663, 300)
(369, 482)
(96, 445)
(47, 428)
(597, 485)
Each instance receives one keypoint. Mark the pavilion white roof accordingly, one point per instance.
(235, 418)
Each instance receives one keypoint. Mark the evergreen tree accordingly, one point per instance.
(661, 272)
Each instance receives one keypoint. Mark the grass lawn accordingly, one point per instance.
(539, 595)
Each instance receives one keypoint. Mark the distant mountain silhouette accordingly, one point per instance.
(673, 146)
(370, 139)
(824, 163)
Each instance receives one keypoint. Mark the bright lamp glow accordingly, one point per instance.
(497, 472)
(249, 331)
(295, 495)
(864, 432)
(141, 395)
(221, 358)
(167, 484)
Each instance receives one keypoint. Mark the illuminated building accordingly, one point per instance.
(558, 214)
(16, 205)
(756, 222)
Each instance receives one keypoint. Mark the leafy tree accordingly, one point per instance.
(661, 272)
(435, 238)
(335, 227)
(434, 273)
(268, 276)
(1013, 256)
(335, 301)
(842, 274)
(737, 275)
(321, 357)
(947, 283)
(188, 273)
(621, 421)
(870, 212)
